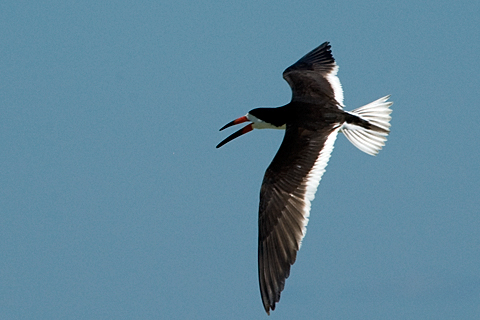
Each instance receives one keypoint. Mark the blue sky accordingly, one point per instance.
(115, 204)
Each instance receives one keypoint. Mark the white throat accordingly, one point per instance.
(260, 124)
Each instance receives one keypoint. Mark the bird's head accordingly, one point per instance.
(260, 118)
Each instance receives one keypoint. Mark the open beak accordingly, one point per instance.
(237, 134)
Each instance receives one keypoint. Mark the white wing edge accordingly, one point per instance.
(312, 180)
(336, 85)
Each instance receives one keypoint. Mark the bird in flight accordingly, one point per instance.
(311, 121)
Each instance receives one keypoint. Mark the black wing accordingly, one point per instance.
(288, 187)
(314, 76)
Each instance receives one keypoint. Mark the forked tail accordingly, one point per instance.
(370, 132)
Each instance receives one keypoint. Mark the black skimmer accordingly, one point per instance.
(312, 121)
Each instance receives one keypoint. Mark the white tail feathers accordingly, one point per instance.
(371, 140)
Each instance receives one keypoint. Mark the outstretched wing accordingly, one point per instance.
(314, 76)
(288, 187)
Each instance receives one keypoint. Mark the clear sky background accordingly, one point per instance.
(115, 204)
